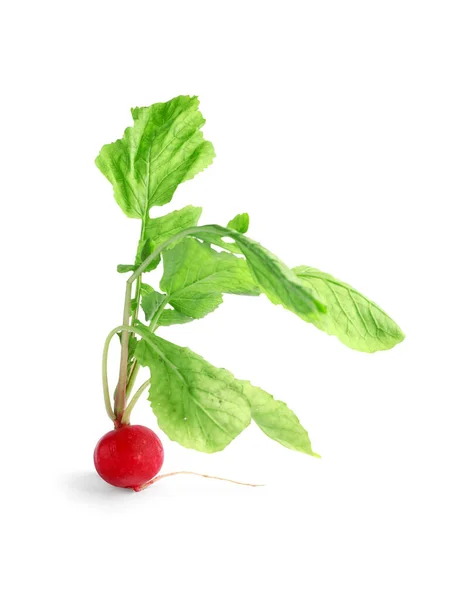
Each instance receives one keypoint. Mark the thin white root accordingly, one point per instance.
(155, 479)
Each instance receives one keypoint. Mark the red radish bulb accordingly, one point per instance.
(128, 457)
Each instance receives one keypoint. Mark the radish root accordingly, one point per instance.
(140, 488)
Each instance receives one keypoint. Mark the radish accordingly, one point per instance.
(129, 457)
(196, 404)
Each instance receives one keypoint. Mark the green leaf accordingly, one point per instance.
(240, 223)
(205, 408)
(173, 317)
(151, 300)
(125, 268)
(277, 420)
(275, 279)
(159, 230)
(163, 148)
(150, 303)
(213, 238)
(356, 321)
(163, 228)
(132, 343)
(195, 277)
(145, 249)
(146, 289)
(196, 404)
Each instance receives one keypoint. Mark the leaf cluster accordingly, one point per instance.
(198, 405)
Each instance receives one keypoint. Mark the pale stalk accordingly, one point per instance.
(120, 397)
(152, 326)
(131, 405)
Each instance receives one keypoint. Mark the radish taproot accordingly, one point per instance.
(198, 405)
(129, 457)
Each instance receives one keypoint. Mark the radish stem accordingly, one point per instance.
(132, 378)
(152, 327)
(131, 405)
(125, 329)
(120, 398)
(105, 380)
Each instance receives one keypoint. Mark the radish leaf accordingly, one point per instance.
(125, 268)
(150, 303)
(145, 248)
(358, 322)
(162, 149)
(196, 404)
(163, 228)
(159, 230)
(173, 317)
(275, 279)
(240, 223)
(205, 408)
(195, 277)
(216, 240)
(277, 420)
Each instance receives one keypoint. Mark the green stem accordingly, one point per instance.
(132, 379)
(105, 353)
(131, 376)
(152, 327)
(105, 379)
(137, 297)
(139, 280)
(125, 329)
(131, 405)
(120, 397)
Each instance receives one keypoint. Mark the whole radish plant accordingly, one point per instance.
(197, 404)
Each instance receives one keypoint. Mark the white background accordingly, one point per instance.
(337, 126)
